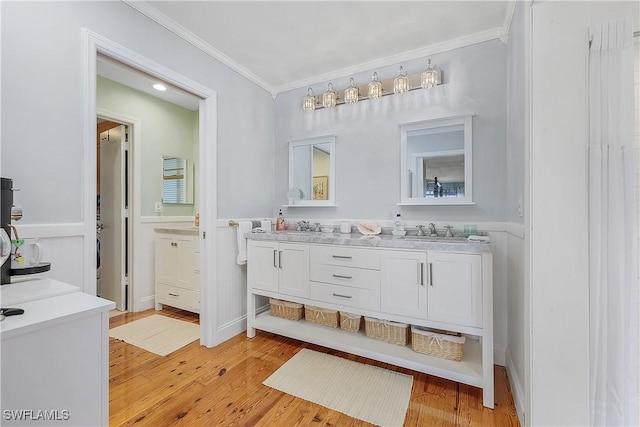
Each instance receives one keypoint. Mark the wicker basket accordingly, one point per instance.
(437, 344)
(321, 316)
(384, 330)
(286, 309)
(350, 322)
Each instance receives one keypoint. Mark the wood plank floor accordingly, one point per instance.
(199, 386)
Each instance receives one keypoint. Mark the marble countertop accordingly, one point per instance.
(379, 241)
(189, 231)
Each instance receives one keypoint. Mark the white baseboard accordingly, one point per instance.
(231, 329)
(516, 389)
(499, 356)
(145, 303)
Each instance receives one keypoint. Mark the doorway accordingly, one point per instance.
(112, 211)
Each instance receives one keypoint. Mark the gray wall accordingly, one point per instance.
(166, 129)
(42, 107)
(368, 137)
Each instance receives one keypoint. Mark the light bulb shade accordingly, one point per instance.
(309, 101)
(351, 93)
(375, 87)
(401, 83)
(430, 78)
(329, 98)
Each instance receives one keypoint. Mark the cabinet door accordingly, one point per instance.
(166, 267)
(187, 262)
(262, 265)
(455, 288)
(293, 271)
(403, 283)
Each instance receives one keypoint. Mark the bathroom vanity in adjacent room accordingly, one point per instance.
(445, 285)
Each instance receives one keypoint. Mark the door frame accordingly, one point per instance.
(93, 44)
(134, 167)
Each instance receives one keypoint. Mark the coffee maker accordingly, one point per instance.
(6, 213)
(6, 203)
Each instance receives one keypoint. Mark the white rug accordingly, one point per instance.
(158, 334)
(369, 393)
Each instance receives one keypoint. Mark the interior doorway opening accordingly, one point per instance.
(113, 237)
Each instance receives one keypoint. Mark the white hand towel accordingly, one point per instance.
(243, 227)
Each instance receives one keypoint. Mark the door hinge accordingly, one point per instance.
(204, 234)
(127, 145)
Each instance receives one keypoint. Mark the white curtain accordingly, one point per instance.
(613, 275)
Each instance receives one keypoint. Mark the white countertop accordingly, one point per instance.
(381, 241)
(24, 290)
(46, 312)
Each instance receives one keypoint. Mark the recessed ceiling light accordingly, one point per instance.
(159, 87)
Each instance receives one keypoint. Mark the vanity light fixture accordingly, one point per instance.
(375, 87)
(309, 101)
(160, 87)
(329, 98)
(430, 78)
(401, 83)
(351, 93)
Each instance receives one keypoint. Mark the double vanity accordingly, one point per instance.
(434, 283)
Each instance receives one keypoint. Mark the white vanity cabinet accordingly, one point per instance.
(279, 267)
(454, 288)
(345, 276)
(437, 285)
(177, 270)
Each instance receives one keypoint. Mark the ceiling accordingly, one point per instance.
(282, 45)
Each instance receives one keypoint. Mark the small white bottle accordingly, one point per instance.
(399, 224)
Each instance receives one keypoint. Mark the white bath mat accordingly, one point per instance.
(369, 393)
(158, 334)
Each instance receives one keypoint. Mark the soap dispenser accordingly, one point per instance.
(280, 224)
(399, 224)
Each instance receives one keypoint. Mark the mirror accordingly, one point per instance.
(312, 172)
(436, 162)
(177, 180)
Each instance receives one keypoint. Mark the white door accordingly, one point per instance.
(403, 285)
(293, 266)
(455, 288)
(112, 280)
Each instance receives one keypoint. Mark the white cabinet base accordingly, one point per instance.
(468, 371)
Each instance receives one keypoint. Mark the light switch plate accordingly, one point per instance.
(158, 207)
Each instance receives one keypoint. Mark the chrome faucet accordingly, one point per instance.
(303, 225)
(432, 230)
(317, 227)
(420, 230)
(448, 233)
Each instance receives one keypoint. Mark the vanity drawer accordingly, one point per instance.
(347, 256)
(346, 295)
(178, 297)
(348, 276)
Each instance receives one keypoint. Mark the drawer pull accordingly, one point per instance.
(421, 266)
(341, 296)
(173, 295)
(280, 259)
(342, 257)
(337, 276)
(275, 251)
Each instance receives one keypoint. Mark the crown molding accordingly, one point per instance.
(494, 33)
(171, 25)
(501, 33)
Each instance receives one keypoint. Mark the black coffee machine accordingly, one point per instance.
(6, 203)
(6, 215)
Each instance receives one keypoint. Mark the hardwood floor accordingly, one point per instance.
(198, 386)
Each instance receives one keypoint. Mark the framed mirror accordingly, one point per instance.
(312, 178)
(177, 180)
(436, 162)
